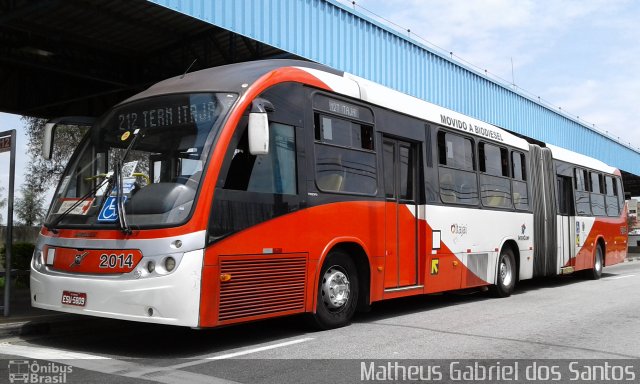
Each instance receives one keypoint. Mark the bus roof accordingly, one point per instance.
(232, 77)
(580, 159)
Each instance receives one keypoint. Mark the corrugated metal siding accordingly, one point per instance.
(329, 33)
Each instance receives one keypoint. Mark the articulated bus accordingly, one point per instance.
(278, 187)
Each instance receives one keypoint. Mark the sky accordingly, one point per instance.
(582, 56)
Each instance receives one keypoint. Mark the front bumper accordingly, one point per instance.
(172, 299)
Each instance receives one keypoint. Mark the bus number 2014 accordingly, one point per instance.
(116, 261)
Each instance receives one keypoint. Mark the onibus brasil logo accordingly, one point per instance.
(25, 371)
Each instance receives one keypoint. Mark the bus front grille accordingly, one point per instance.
(262, 286)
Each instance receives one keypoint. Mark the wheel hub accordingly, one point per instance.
(505, 272)
(335, 288)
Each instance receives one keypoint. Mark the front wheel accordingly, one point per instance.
(337, 291)
(506, 279)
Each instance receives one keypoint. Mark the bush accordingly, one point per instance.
(20, 259)
(20, 256)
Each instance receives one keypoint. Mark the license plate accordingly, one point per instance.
(78, 299)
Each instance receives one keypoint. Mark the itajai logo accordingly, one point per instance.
(458, 229)
(523, 233)
(25, 371)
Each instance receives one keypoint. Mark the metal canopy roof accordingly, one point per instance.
(79, 57)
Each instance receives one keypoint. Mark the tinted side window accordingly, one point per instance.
(271, 173)
(520, 195)
(493, 160)
(495, 187)
(596, 182)
(518, 166)
(337, 131)
(406, 173)
(611, 198)
(620, 193)
(345, 161)
(388, 155)
(457, 177)
(345, 170)
(455, 151)
(609, 186)
(598, 205)
(583, 204)
(519, 183)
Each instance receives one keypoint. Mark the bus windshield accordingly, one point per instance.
(145, 158)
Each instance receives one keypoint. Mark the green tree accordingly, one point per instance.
(3, 203)
(30, 207)
(46, 173)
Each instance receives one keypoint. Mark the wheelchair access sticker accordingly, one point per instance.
(109, 211)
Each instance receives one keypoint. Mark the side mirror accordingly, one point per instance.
(50, 131)
(259, 127)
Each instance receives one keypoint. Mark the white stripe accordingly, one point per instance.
(260, 349)
(619, 277)
(45, 353)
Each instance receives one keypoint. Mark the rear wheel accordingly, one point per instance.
(506, 279)
(337, 291)
(598, 263)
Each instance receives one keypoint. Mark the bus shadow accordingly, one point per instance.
(415, 304)
(126, 339)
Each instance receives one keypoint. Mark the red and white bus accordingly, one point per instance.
(278, 187)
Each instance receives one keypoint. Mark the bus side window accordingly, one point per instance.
(597, 196)
(271, 173)
(495, 187)
(611, 196)
(519, 182)
(620, 194)
(457, 176)
(344, 154)
(583, 205)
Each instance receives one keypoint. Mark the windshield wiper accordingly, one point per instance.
(119, 183)
(122, 218)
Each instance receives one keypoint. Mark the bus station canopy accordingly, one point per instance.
(79, 57)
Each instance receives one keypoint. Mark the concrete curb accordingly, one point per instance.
(631, 259)
(40, 325)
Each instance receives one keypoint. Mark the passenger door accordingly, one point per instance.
(401, 225)
(567, 218)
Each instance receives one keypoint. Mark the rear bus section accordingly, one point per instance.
(274, 188)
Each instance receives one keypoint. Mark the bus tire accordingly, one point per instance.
(598, 263)
(506, 279)
(337, 291)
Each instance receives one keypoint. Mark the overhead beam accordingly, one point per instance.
(58, 69)
(26, 9)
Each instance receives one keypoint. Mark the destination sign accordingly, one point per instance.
(342, 108)
(5, 144)
(168, 116)
(172, 111)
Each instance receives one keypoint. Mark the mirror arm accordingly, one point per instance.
(50, 130)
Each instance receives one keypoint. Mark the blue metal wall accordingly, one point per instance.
(330, 33)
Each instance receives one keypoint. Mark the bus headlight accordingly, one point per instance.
(151, 266)
(38, 259)
(169, 263)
